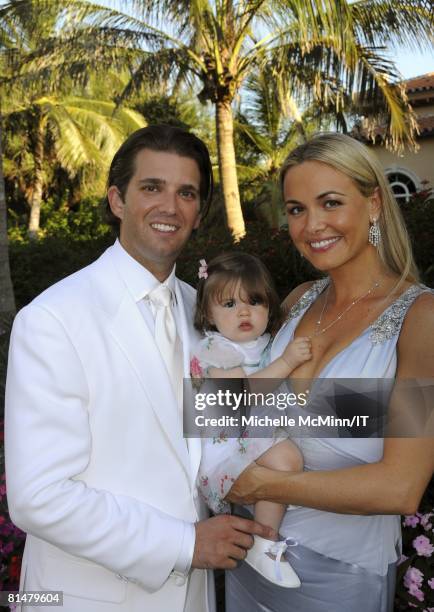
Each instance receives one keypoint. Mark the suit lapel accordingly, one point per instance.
(126, 325)
(138, 345)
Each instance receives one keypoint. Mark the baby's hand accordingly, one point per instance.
(298, 351)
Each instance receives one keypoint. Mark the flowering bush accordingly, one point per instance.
(415, 583)
(11, 538)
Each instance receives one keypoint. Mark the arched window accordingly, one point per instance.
(403, 183)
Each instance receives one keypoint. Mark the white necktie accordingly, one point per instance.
(166, 337)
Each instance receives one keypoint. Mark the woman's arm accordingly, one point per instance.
(393, 485)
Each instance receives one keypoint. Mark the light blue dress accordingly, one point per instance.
(346, 563)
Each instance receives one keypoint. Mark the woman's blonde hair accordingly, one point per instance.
(360, 164)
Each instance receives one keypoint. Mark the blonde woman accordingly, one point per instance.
(368, 318)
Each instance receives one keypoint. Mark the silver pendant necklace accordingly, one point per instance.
(318, 331)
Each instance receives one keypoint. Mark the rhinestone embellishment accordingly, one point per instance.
(307, 298)
(388, 323)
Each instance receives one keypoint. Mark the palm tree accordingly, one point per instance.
(77, 134)
(270, 123)
(220, 43)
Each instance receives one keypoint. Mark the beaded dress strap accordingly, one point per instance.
(307, 298)
(389, 323)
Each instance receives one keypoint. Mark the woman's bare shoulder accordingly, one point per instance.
(416, 340)
(295, 295)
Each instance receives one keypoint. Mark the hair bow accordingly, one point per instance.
(203, 269)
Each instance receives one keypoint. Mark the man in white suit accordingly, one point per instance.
(98, 472)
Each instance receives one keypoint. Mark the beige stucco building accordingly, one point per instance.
(409, 171)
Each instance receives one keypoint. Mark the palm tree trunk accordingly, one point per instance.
(228, 169)
(7, 301)
(36, 199)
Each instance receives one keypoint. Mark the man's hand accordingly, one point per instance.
(223, 540)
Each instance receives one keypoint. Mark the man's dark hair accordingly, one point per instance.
(160, 138)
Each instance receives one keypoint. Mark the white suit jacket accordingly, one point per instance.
(98, 472)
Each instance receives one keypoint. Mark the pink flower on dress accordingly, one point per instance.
(222, 483)
(425, 521)
(416, 592)
(195, 369)
(411, 521)
(413, 576)
(423, 546)
(401, 559)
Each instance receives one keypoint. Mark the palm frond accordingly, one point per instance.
(394, 23)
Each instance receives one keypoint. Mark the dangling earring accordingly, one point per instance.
(374, 235)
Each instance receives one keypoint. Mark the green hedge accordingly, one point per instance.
(81, 237)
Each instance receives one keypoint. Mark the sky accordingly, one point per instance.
(412, 64)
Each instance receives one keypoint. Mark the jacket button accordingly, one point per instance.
(180, 578)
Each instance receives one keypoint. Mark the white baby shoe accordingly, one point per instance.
(273, 569)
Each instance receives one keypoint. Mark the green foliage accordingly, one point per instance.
(287, 268)
(37, 265)
(84, 222)
(419, 218)
(71, 238)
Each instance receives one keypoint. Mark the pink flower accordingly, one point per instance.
(402, 558)
(431, 583)
(203, 269)
(423, 546)
(195, 369)
(425, 521)
(413, 576)
(411, 521)
(416, 592)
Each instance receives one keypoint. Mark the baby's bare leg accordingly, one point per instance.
(284, 456)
